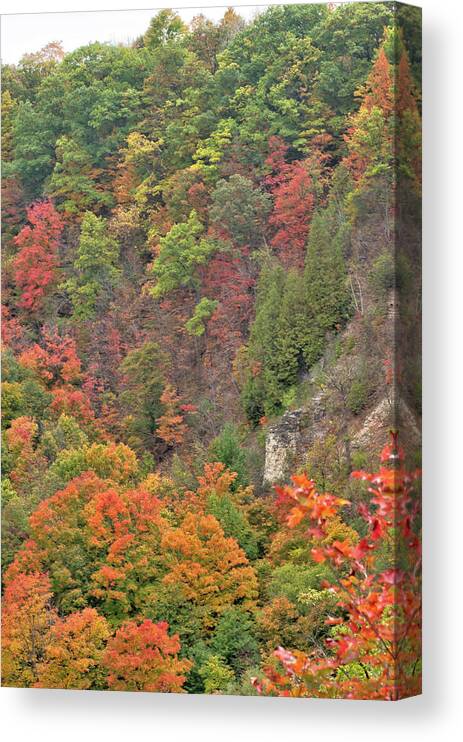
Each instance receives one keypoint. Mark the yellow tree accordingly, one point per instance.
(73, 652)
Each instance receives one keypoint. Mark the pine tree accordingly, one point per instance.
(326, 294)
(290, 330)
(262, 393)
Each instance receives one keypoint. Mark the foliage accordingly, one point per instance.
(204, 309)
(291, 187)
(216, 674)
(171, 428)
(143, 370)
(227, 448)
(180, 252)
(26, 618)
(239, 211)
(204, 257)
(326, 293)
(207, 571)
(234, 640)
(36, 264)
(144, 657)
(375, 651)
(73, 653)
(95, 268)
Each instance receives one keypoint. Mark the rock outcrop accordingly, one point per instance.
(281, 447)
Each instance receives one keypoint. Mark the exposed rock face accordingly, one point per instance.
(281, 446)
(288, 440)
(384, 417)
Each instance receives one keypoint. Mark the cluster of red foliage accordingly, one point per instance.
(36, 264)
(228, 280)
(375, 649)
(144, 657)
(291, 187)
(56, 360)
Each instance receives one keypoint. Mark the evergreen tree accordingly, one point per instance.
(261, 393)
(290, 330)
(326, 293)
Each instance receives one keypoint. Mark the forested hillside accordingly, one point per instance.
(204, 258)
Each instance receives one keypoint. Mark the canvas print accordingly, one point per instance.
(211, 351)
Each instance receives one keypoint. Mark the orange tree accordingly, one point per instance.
(144, 657)
(374, 647)
(99, 546)
(27, 615)
(73, 652)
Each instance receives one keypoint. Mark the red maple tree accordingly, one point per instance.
(36, 264)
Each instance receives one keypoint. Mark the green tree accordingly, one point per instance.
(74, 182)
(325, 282)
(95, 269)
(165, 27)
(290, 330)
(228, 448)
(261, 392)
(143, 370)
(216, 675)
(234, 523)
(240, 210)
(205, 308)
(181, 251)
(234, 640)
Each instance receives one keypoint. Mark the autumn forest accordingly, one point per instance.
(211, 357)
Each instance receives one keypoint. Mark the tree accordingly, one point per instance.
(100, 544)
(95, 269)
(216, 674)
(15, 524)
(12, 194)
(170, 426)
(370, 138)
(37, 261)
(55, 361)
(144, 371)
(206, 574)
(26, 619)
(112, 462)
(290, 330)
(204, 309)
(144, 657)
(229, 279)
(181, 251)
(234, 640)
(165, 27)
(352, 34)
(220, 494)
(261, 393)
(325, 282)
(72, 657)
(228, 448)
(33, 148)
(137, 170)
(291, 187)
(239, 211)
(74, 183)
(21, 438)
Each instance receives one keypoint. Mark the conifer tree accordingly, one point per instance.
(325, 294)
